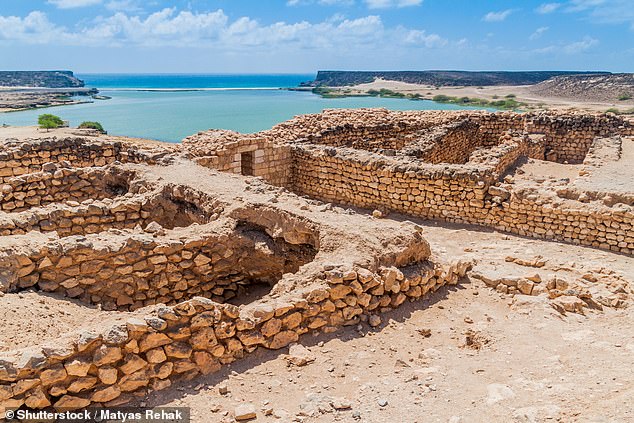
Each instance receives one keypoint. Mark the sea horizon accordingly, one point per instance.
(170, 107)
(193, 81)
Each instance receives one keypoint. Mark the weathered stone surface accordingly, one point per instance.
(81, 384)
(108, 375)
(245, 411)
(299, 355)
(69, 402)
(106, 394)
(106, 355)
(132, 363)
(53, 374)
(156, 355)
(153, 340)
(78, 367)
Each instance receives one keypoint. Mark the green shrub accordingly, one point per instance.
(48, 121)
(441, 98)
(92, 125)
(510, 96)
(625, 96)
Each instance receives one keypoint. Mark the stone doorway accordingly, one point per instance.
(247, 161)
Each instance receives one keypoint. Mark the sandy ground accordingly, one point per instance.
(32, 318)
(534, 364)
(521, 92)
(614, 176)
(24, 132)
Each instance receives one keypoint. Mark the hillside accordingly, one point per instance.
(607, 88)
(40, 79)
(439, 78)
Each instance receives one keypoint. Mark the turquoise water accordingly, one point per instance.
(180, 81)
(172, 115)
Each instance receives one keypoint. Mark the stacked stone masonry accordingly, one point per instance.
(180, 256)
(452, 166)
(204, 268)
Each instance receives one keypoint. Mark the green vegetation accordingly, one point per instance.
(386, 93)
(509, 104)
(92, 125)
(326, 92)
(48, 121)
(621, 112)
(625, 96)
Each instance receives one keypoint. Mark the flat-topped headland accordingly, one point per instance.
(42, 79)
(23, 90)
(524, 90)
(442, 77)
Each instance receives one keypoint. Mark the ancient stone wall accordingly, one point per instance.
(139, 270)
(60, 185)
(455, 195)
(567, 137)
(230, 152)
(172, 207)
(20, 158)
(453, 145)
(199, 336)
(385, 184)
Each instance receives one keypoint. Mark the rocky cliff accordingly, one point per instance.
(608, 88)
(439, 78)
(43, 79)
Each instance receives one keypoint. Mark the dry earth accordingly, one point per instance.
(24, 132)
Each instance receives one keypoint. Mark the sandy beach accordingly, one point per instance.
(523, 94)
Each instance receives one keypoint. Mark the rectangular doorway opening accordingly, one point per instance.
(247, 159)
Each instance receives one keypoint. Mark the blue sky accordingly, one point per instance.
(302, 36)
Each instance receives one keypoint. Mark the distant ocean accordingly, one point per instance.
(169, 107)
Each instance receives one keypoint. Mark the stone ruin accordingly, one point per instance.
(463, 167)
(211, 249)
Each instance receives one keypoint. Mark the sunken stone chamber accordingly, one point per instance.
(129, 270)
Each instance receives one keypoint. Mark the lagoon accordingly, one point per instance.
(171, 107)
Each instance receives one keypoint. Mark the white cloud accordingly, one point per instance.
(418, 37)
(34, 28)
(572, 48)
(170, 27)
(497, 16)
(579, 5)
(386, 4)
(320, 2)
(123, 5)
(538, 32)
(581, 46)
(614, 12)
(546, 8)
(71, 4)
